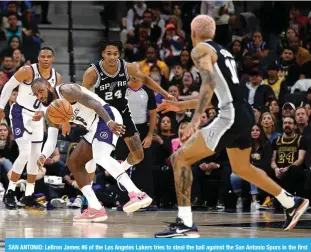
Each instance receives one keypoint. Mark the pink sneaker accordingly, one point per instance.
(92, 215)
(137, 200)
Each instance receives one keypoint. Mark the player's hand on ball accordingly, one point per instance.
(41, 161)
(171, 98)
(66, 128)
(116, 128)
(2, 114)
(37, 116)
(167, 106)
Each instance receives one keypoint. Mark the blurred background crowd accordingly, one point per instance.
(271, 47)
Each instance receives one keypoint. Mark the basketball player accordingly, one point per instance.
(230, 129)
(27, 123)
(110, 78)
(98, 118)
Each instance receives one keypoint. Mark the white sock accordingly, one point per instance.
(91, 197)
(185, 214)
(30, 189)
(125, 165)
(125, 180)
(286, 199)
(12, 186)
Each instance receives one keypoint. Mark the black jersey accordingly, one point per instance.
(112, 88)
(228, 89)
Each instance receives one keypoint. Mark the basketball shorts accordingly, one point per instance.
(128, 123)
(23, 126)
(231, 128)
(100, 131)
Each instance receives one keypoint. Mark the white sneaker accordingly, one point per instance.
(77, 203)
(62, 202)
(255, 205)
(239, 203)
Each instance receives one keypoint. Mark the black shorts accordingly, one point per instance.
(231, 128)
(128, 122)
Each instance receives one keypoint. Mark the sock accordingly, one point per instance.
(125, 180)
(91, 197)
(30, 189)
(12, 186)
(286, 199)
(185, 214)
(125, 165)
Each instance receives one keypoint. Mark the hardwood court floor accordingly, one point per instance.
(58, 223)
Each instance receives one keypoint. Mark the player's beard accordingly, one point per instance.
(49, 99)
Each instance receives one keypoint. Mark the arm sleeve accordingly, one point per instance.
(51, 142)
(7, 91)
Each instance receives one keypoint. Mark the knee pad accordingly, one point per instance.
(90, 166)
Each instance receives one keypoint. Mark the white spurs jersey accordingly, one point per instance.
(82, 115)
(25, 97)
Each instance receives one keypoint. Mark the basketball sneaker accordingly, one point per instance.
(62, 202)
(9, 200)
(77, 202)
(92, 215)
(27, 201)
(137, 200)
(179, 230)
(293, 214)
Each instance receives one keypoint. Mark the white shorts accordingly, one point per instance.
(101, 131)
(23, 126)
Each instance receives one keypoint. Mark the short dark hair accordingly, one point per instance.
(287, 48)
(291, 117)
(47, 48)
(116, 43)
(12, 14)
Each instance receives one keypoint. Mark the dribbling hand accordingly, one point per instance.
(116, 128)
(66, 128)
(41, 161)
(37, 116)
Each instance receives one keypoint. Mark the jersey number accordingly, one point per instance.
(80, 119)
(37, 104)
(110, 95)
(230, 63)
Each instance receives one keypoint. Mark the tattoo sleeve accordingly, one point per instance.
(74, 93)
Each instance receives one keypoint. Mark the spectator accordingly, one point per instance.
(174, 91)
(257, 47)
(7, 66)
(178, 75)
(211, 113)
(298, 22)
(276, 83)
(18, 59)
(182, 117)
(288, 68)
(274, 109)
(171, 46)
(154, 69)
(156, 19)
(256, 92)
(152, 59)
(246, 68)
(134, 16)
(302, 55)
(257, 112)
(53, 164)
(267, 122)
(175, 21)
(237, 52)
(288, 109)
(13, 44)
(288, 156)
(301, 119)
(13, 28)
(188, 89)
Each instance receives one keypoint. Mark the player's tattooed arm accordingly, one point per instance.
(203, 61)
(73, 93)
(89, 78)
(134, 70)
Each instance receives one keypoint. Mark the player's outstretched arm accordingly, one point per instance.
(89, 78)
(73, 93)
(23, 74)
(50, 143)
(202, 58)
(134, 70)
(167, 106)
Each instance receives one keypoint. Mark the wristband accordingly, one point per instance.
(109, 122)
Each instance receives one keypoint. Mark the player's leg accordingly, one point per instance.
(190, 152)
(240, 164)
(22, 136)
(133, 142)
(76, 164)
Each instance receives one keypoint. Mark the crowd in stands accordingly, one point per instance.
(272, 53)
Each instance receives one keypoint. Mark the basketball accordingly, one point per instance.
(59, 111)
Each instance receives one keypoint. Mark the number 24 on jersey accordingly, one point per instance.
(113, 95)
